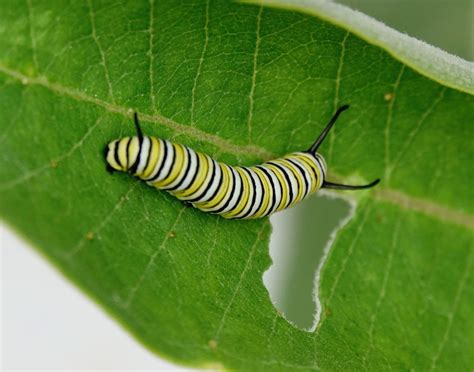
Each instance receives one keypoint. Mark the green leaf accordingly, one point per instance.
(244, 83)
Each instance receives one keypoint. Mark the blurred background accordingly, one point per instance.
(40, 310)
(447, 24)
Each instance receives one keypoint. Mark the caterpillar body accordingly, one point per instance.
(232, 192)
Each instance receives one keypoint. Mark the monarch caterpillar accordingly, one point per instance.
(232, 192)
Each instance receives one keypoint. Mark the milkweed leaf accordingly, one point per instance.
(243, 83)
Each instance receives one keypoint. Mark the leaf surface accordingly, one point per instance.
(243, 83)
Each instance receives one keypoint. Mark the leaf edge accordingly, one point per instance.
(432, 62)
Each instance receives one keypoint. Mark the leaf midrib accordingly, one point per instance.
(193, 132)
(392, 196)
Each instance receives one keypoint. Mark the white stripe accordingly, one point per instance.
(214, 185)
(306, 174)
(315, 162)
(236, 197)
(258, 191)
(261, 183)
(182, 172)
(323, 164)
(160, 159)
(144, 150)
(251, 194)
(293, 184)
(211, 165)
(322, 169)
(193, 169)
(270, 206)
(227, 192)
(303, 174)
(169, 160)
(276, 190)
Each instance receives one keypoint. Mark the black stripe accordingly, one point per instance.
(303, 174)
(116, 155)
(320, 166)
(232, 191)
(312, 169)
(262, 198)
(148, 155)
(185, 172)
(240, 193)
(254, 196)
(264, 170)
(127, 152)
(214, 171)
(219, 185)
(287, 178)
(165, 155)
(173, 162)
(196, 172)
(134, 167)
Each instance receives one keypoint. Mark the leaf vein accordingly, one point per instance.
(348, 255)
(150, 52)
(201, 61)
(426, 207)
(332, 135)
(395, 197)
(239, 283)
(254, 76)
(80, 244)
(39, 170)
(179, 128)
(454, 309)
(101, 50)
(388, 123)
(415, 130)
(32, 36)
(136, 287)
(387, 271)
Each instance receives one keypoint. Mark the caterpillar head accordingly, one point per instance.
(122, 154)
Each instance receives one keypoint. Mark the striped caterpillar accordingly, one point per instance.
(232, 192)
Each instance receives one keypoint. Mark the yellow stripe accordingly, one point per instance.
(111, 156)
(312, 181)
(267, 192)
(299, 181)
(311, 165)
(122, 152)
(155, 150)
(245, 194)
(200, 178)
(318, 172)
(224, 187)
(133, 150)
(284, 192)
(180, 162)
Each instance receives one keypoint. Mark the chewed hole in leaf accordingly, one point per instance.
(301, 238)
